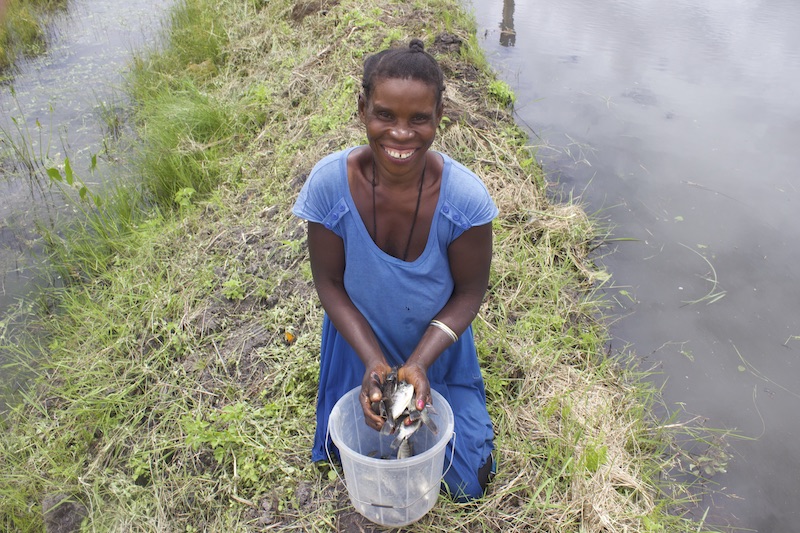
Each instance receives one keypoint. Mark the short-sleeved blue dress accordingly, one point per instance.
(399, 299)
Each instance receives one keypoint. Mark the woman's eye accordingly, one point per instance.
(384, 115)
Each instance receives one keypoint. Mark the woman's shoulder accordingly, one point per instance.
(329, 174)
(461, 181)
(325, 186)
(466, 200)
(331, 163)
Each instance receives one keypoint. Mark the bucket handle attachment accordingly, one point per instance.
(452, 443)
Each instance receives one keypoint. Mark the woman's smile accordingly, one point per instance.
(399, 154)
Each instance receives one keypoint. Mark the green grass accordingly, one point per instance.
(170, 396)
(23, 28)
(188, 133)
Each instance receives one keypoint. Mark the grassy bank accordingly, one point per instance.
(178, 380)
(23, 28)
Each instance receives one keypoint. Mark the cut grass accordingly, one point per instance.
(170, 396)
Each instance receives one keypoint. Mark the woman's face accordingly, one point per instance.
(401, 117)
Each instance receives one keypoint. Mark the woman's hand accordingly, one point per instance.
(371, 393)
(417, 375)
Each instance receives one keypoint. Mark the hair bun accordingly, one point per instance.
(416, 45)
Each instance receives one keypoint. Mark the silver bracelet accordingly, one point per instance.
(444, 327)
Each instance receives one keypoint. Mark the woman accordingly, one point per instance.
(400, 243)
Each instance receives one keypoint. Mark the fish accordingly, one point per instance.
(401, 399)
(398, 406)
(396, 397)
(424, 415)
(405, 432)
(405, 449)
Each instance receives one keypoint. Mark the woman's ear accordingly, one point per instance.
(362, 106)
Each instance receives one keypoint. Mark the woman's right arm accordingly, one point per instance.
(326, 251)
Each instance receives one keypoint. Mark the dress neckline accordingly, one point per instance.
(362, 228)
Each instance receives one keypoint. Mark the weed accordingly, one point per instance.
(233, 289)
(238, 439)
(502, 93)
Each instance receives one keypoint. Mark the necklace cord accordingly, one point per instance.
(416, 209)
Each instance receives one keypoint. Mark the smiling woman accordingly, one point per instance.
(400, 244)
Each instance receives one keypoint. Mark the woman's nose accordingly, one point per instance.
(402, 132)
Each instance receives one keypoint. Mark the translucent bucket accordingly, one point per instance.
(390, 492)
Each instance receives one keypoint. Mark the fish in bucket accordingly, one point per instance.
(385, 489)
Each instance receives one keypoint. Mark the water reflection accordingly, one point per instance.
(678, 120)
(508, 37)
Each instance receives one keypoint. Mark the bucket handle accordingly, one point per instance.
(452, 443)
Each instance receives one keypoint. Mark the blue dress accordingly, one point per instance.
(399, 299)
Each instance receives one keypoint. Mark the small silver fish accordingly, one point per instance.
(406, 449)
(400, 399)
(396, 396)
(404, 432)
(424, 415)
(427, 411)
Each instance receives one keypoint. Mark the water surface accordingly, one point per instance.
(56, 106)
(677, 122)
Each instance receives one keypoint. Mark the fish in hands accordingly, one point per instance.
(398, 406)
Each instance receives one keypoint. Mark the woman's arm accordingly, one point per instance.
(470, 258)
(326, 251)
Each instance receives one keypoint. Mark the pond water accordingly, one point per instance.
(677, 123)
(57, 106)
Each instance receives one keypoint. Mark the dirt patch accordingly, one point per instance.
(303, 9)
(62, 513)
(350, 521)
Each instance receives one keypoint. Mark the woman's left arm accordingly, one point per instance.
(470, 258)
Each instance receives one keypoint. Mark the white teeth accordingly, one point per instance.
(399, 155)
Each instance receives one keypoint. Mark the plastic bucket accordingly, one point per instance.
(389, 492)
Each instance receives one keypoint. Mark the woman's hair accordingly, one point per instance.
(412, 62)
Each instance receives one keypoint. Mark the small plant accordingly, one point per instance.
(73, 181)
(709, 465)
(502, 93)
(713, 461)
(183, 198)
(516, 135)
(111, 117)
(237, 437)
(233, 289)
(594, 457)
